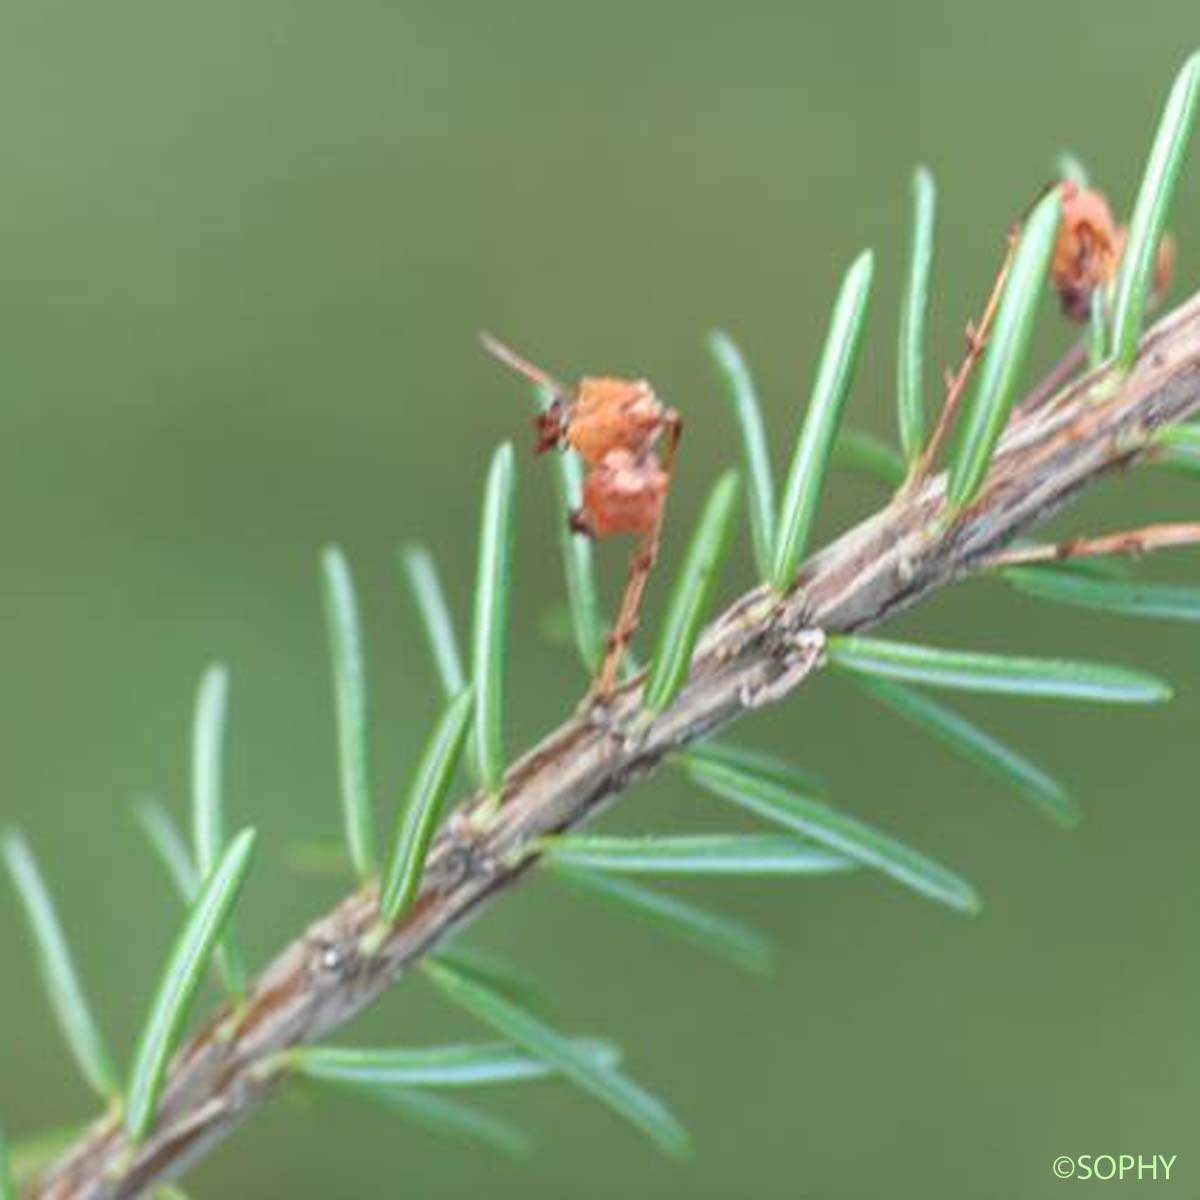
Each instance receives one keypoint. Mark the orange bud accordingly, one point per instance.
(1087, 249)
(1164, 266)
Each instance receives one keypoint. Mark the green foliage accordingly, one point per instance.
(1097, 330)
(602, 1081)
(1002, 369)
(756, 762)
(57, 969)
(690, 595)
(208, 768)
(451, 1118)
(493, 598)
(1178, 446)
(698, 854)
(1050, 678)
(1151, 212)
(457, 1066)
(768, 794)
(1071, 170)
(587, 621)
(208, 806)
(742, 401)
(168, 845)
(718, 935)
(1127, 597)
(33, 1154)
(350, 697)
(914, 309)
(975, 744)
(810, 464)
(494, 974)
(179, 981)
(8, 1183)
(420, 573)
(871, 457)
(419, 817)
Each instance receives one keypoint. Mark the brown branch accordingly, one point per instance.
(758, 651)
(1128, 541)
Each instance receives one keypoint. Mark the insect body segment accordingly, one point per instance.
(615, 426)
(624, 493)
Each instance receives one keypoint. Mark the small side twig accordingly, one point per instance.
(1127, 542)
(956, 383)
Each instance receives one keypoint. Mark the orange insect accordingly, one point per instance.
(615, 426)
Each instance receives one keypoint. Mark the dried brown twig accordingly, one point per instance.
(956, 383)
(757, 652)
(1128, 542)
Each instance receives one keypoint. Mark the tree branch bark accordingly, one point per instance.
(761, 649)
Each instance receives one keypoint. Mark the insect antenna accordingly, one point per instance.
(549, 424)
(514, 362)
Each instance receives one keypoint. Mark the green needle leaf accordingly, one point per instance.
(810, 463)
(726, 939)
(350, 698)
(58, 970)
(451, 1117)
(169, 846)
(426, 796)
(587, 623)
(208, 768)
(1157, 600)
(977, 746)
(769, 797)
(495, 975)
(433, 1066)
(420, 572)
(179, 981)
(742, 400)
(1136, 273)
(1004, 359)
(31, 1155)
(1071, 170)
(914, 308)
(167, 843)
(605, 1083)
(1096, 340)
(8, 1184)
(1180, 447)
(1057, 679)
(690, 596)
(700, 854)
(208, 807)
(755, 762)
(866, 455)
(493, 595)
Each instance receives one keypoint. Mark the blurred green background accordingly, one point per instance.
(244, 250)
